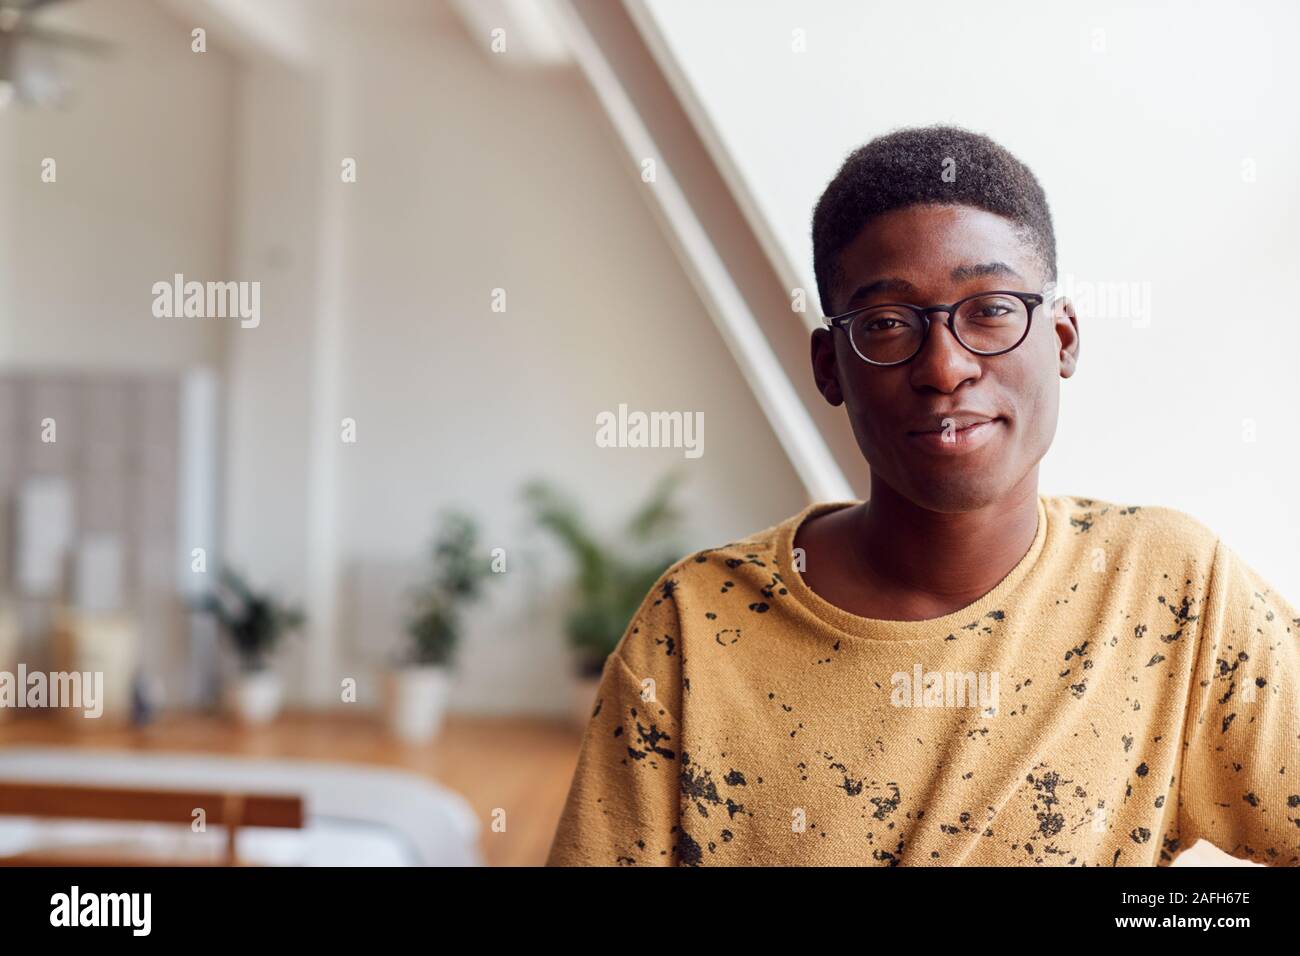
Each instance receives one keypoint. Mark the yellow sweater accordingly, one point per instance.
(1131, 686)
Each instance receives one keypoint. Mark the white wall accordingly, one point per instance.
(270, 370)
(143, 155)
(471, 177)
(1138, 119)
(375, 306)
(142, 148)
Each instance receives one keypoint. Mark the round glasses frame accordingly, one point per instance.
(1030, 300)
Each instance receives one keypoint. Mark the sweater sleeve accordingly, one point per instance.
(622, 806)
(1240, 785)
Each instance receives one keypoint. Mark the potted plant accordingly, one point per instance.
(418, 688)
(254, 624)
(612, 579)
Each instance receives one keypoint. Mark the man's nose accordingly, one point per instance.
(943, 363)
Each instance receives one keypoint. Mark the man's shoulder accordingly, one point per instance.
(757, 554)
(1155, 527)
(749, 564)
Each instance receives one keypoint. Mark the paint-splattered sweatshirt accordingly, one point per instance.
(1129, 687)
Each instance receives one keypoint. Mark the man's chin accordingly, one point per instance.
(955, 493)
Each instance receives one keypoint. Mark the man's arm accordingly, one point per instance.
(1240, 785)
(622, 807)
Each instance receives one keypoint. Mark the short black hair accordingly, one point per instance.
(906, 168)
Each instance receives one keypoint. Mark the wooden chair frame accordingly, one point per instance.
(231, 809)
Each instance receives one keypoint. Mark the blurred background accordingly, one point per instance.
(357, 542)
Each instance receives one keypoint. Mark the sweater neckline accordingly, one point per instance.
(880, 629)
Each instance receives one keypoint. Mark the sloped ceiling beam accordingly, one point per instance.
(527, 26)
(729, 262)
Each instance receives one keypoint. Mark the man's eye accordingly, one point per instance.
(882, 325)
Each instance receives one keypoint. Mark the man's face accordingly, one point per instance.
(927, 255)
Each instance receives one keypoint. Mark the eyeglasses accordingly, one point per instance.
(990, 323)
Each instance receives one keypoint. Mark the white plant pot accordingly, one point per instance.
(584, 699)
(416, 702)
(254, 697)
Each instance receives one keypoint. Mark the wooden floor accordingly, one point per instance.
(516, 765)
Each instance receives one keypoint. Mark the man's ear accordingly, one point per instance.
(825, 366)
(1066, 323)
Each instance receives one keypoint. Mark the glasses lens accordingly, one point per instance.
(991, 323)
(886, 333)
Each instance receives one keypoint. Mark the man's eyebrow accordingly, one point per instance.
(890, 284)
(897, 286)
(962, 273)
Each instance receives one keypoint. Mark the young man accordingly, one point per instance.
(959, 671)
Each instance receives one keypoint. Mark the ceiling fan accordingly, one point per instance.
(28, 68)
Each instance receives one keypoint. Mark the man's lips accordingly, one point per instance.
(956, 421)
(953, 437)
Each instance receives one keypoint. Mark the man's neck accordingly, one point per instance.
(953, 558)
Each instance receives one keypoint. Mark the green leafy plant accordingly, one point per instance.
(254, 623)
(611, 580)
(455, 580)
